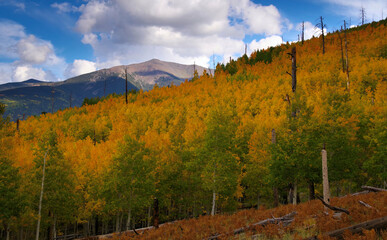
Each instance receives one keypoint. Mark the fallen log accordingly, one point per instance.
(377, 224)
(332, 207)
(285, 220)
(359, 193)
(365, 204)
(373, 189)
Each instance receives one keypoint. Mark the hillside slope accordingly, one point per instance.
(211, 145)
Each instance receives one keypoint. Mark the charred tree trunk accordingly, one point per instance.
(52, 100)
(322, 34)
(126, 86)
(346, 55)
(71, 99)
(156, 213)
(342, 51)
(311, 190)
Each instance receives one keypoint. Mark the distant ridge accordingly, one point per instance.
(32, 97)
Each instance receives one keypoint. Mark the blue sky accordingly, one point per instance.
(55, 40)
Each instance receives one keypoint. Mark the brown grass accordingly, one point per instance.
(311, 219)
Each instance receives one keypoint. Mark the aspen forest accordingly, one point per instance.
(238, 138)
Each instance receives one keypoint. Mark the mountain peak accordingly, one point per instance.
(32, 81)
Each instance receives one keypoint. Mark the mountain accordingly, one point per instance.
(27, 83)
(32, 97)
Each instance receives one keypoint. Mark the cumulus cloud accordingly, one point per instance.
(127, 31)
(264, 43)
(22, 73)
(79, 67)
(26, 56)
(34, 51)
(5, 73)
(11, 33)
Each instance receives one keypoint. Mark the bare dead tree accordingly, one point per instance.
(346, 54)
(156, 213)
(341, 47)
(294, 69)
(321, 25)
(126, 85)
(52, 99)
(71, 98)
(363, 15)
(104, 89)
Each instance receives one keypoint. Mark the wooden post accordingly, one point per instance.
(326, 192)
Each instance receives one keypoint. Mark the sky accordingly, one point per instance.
(53, 40)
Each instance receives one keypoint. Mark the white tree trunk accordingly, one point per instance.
(149, 216)
(295, 194)
(213, 203)
(326, 192)
(7, 231)
(129, 216)
(41, 197)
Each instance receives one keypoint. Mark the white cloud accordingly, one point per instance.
(128, 31)
(14, 3)
(34, 51)
(5, 73)
(11, 33)
(310, 30)
(79, 67)
(373, 9)
(264, 43)
(26, 56)
(66, 7)
(25, 72)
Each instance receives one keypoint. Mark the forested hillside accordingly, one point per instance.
(241, 138)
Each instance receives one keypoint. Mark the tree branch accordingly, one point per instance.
(333, 207)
